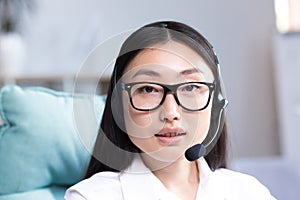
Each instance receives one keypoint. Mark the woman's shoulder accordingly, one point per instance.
(242, 184)
(104, 184)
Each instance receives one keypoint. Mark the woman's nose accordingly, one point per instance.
(170, 109)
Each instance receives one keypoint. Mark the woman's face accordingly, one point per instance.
(166, 132)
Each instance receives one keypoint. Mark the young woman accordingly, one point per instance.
(163, 134)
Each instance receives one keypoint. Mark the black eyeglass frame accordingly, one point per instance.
(167, 89)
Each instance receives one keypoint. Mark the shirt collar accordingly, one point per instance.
(204, 169)
(138, 182)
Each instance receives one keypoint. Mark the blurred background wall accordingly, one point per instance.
(259, 64)
(60, 34)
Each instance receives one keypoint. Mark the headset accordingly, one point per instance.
(216, 121)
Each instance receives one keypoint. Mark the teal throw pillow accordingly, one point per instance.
(45, 137)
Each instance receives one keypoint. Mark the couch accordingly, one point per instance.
(46, 138)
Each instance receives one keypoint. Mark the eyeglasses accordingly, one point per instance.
(147, 96)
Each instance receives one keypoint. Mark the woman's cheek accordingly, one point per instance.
(197, 125)
(137, 123)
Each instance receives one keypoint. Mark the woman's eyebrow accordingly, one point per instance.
(190, 71)
(146, 72)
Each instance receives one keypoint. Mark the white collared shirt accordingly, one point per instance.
(138, 182)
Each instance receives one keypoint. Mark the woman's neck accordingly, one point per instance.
(180, 177)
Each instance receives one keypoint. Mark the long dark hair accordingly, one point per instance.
(113, 150)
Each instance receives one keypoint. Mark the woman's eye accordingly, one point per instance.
(147, 89)
(191, 88)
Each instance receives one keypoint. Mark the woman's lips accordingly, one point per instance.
(168, 136)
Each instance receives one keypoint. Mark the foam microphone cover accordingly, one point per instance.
(195, 152)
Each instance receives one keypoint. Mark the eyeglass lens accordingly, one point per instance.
(147, 96)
